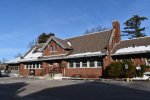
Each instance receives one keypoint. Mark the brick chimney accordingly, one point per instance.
(116, 27)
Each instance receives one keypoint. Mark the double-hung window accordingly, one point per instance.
(53, 48)
(77, 64)
(84, 64)
(71, 64)
(92, 64)
(99, 64)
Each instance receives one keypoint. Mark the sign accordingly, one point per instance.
(126, 66)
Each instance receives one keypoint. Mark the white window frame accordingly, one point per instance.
(30, 66)
(88, 65)
(99, 66)
(89, 62)
(40, 66)
(53, 48)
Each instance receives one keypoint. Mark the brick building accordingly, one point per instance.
(83, 56)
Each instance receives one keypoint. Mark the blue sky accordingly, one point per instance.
(21, 21)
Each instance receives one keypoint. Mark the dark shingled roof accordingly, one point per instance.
(59, 41)
(63, 43)
(91, 42)
(143, 41)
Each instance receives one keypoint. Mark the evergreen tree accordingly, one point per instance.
(43, 37)
(133, 27)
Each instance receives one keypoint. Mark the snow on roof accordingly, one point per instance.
(16, 60)
(133, 49)
(32, 55)
(69, 43)
(85, 54)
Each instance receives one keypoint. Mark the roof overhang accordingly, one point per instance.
(71, 57)
(129, 53)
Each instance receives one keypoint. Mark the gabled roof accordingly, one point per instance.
(134, 45)
(33, 53)
(63, 43)
(59, 41)
(38, 48)
(95, 42)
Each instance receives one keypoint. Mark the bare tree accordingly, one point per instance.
(32, 43)
(4, 60)
(18, 55)
(95, 29)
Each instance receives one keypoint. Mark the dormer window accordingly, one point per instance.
(53, 48)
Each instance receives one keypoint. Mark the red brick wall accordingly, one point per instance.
(136, 59)
(26, 72)
(23, 72)
(38, 72)
(139, 61)
(45, 66)
(47, 51)
(84, 72)
(116, 26)
(106, 62)
(107, 59)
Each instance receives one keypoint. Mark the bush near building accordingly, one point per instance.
(143, 69)
(115, 70)
(124, 69)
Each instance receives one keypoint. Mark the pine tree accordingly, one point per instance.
(133, 27)
(43, 37)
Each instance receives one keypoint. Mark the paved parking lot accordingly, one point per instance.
(34, 89)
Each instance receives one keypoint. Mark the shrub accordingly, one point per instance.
(131, 71)
(115, 70)
(143, 69)
(43, 72)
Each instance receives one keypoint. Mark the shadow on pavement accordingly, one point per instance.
(9, 91)
(90, 91)
(82, 91)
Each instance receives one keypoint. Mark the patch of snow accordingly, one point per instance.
(133, 49)
(141, 78)
(14, 60)
(69, 43)
(57, 76)
(85, 54)
(32, 55)
(147, 73)
(14, 75)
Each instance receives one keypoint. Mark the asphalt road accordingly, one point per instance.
(33, 89)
